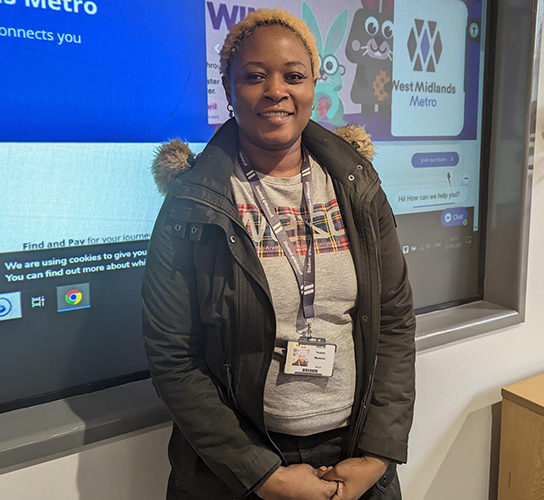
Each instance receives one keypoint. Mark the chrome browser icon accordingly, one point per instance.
(73, 297)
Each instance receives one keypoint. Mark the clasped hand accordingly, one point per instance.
(347, 480)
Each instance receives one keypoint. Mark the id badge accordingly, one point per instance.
(310, 356)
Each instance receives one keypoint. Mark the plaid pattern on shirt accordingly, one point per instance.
(329, 231)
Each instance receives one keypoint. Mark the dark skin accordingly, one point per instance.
(272, 93)
(355, 476)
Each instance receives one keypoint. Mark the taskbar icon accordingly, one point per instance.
(10, 306)
(73, 297)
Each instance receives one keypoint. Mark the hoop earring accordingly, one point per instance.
(313, 106)
(230, 109)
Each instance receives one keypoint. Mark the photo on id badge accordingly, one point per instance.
(310, 357)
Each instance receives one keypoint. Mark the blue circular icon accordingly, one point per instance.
(5, 307)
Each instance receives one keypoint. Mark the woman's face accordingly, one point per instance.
(271, 88)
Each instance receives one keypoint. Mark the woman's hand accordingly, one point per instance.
(297, 482)
(355, 476)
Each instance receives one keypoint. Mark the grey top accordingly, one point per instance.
(295, 404)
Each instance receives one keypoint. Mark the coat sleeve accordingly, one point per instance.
(230, 446)
(390, 408)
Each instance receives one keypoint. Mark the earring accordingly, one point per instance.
(313, 106)
(230, 109)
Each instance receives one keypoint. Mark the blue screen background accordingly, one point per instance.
(138, 74)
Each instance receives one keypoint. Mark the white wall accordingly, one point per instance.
(450, 444)
(132, 467)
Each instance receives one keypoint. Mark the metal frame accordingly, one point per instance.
(511, 140)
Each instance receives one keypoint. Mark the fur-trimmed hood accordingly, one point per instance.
(174, 157)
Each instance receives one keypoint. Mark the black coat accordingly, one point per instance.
(209, 324)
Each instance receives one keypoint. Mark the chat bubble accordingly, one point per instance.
(431, 197)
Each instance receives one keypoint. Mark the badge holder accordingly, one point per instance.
(310, 356)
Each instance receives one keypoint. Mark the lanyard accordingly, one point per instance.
(305, 273)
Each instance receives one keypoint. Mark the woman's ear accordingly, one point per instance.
(226, 86)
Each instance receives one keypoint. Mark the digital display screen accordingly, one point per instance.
(412, 73)
(91, 88)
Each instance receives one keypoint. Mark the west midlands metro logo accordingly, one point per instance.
(424, 45)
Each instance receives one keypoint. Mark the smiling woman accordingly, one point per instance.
(278, 317)
(272, 94)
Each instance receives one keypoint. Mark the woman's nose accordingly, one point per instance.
(275, 89)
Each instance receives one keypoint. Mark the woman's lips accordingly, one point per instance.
(276, 117)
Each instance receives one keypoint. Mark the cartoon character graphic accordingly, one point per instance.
(370, 47)
(329, 108)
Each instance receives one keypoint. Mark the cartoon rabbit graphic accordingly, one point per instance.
(329, 108)
(370, 47)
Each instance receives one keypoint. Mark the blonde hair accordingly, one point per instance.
(267, 17)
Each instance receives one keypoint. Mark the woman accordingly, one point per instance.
(242, 278)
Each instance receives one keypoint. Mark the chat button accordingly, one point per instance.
(454, 217)
(436, 159)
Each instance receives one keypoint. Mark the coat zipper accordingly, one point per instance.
(230, 387)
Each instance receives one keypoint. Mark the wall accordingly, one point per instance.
(452, 444)
(132, 467)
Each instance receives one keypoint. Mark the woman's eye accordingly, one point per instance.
(295, 77)
(254, 77)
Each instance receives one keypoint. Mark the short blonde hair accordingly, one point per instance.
(267, 17)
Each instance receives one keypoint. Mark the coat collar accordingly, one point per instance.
(338, 151)
(344, 161)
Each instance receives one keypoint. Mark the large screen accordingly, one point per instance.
(91, 87)
(412, 73)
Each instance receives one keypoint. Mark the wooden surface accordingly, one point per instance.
(521, 468)
(528, 393)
